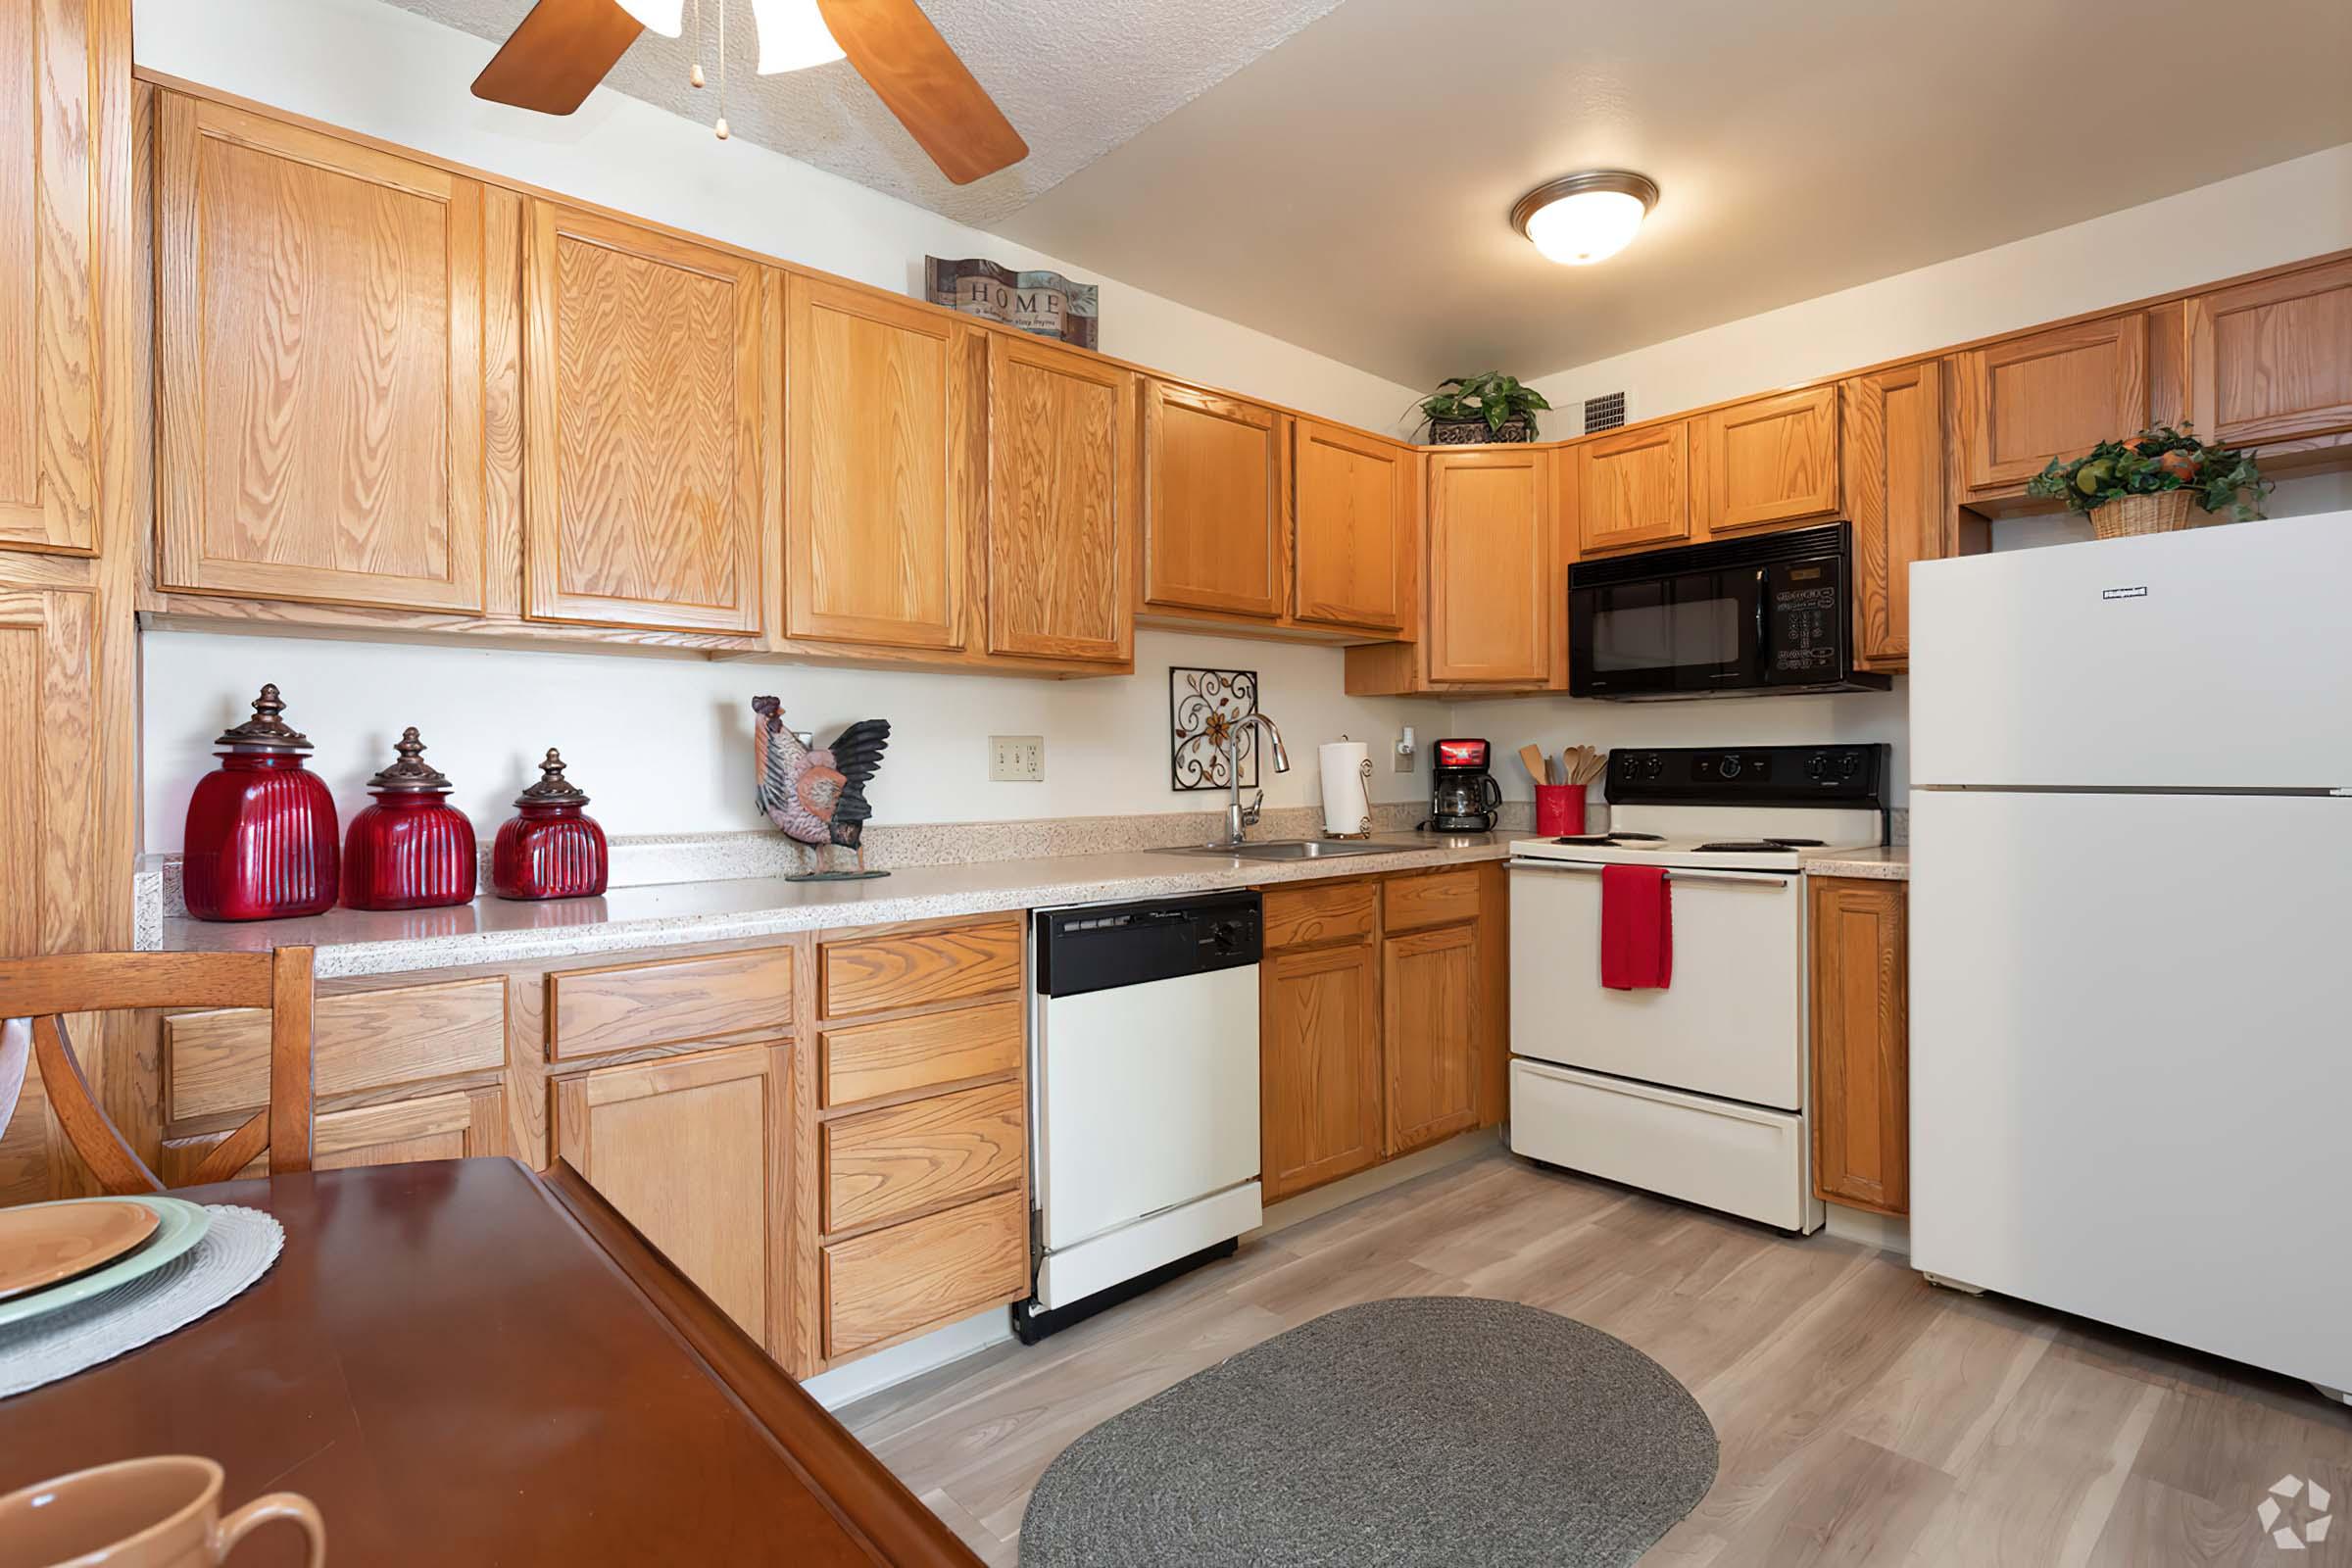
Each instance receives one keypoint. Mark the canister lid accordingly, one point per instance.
(411, 771)
(264, 731)
(553, 788)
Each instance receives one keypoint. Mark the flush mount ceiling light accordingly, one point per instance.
(1585, 217)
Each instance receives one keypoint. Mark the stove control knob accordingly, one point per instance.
(1816, 765)
(1729, 767)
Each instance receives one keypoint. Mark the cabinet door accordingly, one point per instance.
(1429, 1034)
(1861, 1045)
(881, 407)
(320, 379)
(1766, 462)
(1212, 494)
(1061, 471)
(1490, 606)
(2054, 394)
(1635, 488)
(467, 1125)
(49, 282)
(1351, 528)
(2272, 360)
(690, 1151)
(1894, 460)
(643, 427)
(1319, 1066)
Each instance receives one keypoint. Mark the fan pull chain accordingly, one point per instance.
(695, 76)
(721, 126)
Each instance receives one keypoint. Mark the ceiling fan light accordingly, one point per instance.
(793, 35)
(1585, 218)
(665, 17)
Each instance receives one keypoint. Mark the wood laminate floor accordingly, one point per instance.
(1865, 1416)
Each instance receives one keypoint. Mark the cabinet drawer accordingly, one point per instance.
(1320, 913)
(218, 1063)
(887, 1284)
(919, 1155)
(632, 1006)
(1439, 898)
(873, 974)
(874, 1060)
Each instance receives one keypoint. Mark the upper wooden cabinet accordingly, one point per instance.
(2272, 360)
(1491, 556)
(1353, 533)
(321, 378)
(1861, 1043)
(1634, 488)
(2026, 400)
(1896, 495)
(1212, 501)
(1060, 480)
(645, 430)
(1766, 462)
(883, 414)
(49, 282)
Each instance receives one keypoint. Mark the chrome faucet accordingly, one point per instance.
(1237, 815)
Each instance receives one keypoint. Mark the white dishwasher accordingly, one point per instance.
(1143, 1091)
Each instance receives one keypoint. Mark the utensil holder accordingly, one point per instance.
(1560, 810)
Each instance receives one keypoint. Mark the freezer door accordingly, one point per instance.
(2215, 659)
(2130, 1077)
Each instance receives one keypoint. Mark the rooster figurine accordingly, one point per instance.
(818, 797)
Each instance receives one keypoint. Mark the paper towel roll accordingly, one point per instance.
(1347, 777)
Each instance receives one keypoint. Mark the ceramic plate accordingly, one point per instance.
(47, 1243)
(180, 1225)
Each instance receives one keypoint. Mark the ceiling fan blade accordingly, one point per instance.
(919, 79)
(557, 55)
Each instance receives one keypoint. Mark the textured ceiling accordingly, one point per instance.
(1074, 77)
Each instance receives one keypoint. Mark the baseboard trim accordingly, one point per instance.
(1379, 1179)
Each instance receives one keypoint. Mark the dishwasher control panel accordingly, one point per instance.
(1106, 945)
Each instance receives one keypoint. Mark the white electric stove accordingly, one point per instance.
(1696, 1091)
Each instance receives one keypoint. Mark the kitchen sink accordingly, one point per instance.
(1302, 849)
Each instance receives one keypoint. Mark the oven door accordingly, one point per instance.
(1687, 634)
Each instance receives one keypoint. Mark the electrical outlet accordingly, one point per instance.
(1016, 758)
(1401, 758)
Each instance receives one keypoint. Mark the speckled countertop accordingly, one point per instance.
(1890, 865)
(490, 930)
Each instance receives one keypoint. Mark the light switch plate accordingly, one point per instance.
(1016, 758)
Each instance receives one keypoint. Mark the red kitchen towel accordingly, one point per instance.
(1637, 928)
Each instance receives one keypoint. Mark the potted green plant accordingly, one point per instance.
(2147, 483)
(1492, 407)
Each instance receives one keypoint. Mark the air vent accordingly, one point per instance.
(1604, 413)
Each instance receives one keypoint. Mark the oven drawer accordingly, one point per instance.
(1735, 1159)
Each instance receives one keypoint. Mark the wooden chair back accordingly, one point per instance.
(35, 994)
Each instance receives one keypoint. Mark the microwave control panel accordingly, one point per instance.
(1804, 603)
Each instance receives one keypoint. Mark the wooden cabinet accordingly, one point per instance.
(1060, 478)
(669, 1002)
(891, 1285)
(1319, 1041)
(691, 1150)
(1861, 1044)
(1491, 613)
(2270, 361)
(1429, 1034)
(1212, 501)
(1634, 488)
(216, 1062)
(1352, 528)
(2026, 400)
(1765, 462)
(645, 430)
(468, 1124)
(1897, 498)
(321, 376)
(883, 415)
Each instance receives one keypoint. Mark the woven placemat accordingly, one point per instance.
(235, 1251)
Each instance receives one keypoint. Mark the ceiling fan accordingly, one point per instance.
(562, 49)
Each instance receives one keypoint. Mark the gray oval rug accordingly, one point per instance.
(1430, 1430)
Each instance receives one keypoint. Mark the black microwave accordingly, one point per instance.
(1740, 617)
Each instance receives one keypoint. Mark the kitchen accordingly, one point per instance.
(1372, 584)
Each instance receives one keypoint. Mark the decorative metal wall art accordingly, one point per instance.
(1204, 707)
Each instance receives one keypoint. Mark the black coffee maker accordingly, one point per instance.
(1462, 792)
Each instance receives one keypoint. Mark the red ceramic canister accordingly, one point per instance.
(411, 850)
(551, 848)
(260, 843)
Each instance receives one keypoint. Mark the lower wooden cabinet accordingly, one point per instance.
(1319, 1067)
(1430, 1035)
(891, 1285)
(1861, 1044)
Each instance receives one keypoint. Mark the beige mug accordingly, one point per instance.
(160, 1512)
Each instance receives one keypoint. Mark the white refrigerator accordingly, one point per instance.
(2132, 934)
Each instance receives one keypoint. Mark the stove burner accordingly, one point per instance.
(1653, 838)
(1586, 838)
(1798, 843)
(1743, 847)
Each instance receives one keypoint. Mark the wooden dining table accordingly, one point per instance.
(462, 1362)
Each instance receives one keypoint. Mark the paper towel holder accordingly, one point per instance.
(1363, 776)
